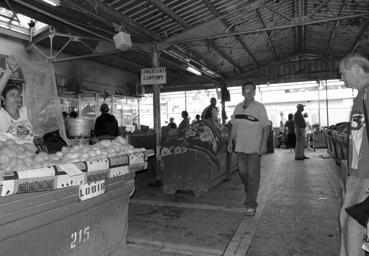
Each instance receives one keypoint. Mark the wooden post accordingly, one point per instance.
(157, 123)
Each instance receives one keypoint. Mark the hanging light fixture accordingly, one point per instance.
(52, 2)
(193, 70)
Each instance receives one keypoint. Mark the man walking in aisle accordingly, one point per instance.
(300, 126)
(354, 70)
(249, 135)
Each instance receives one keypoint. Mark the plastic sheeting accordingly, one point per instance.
(41, 97)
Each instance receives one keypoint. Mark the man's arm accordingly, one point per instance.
(264, 139)
(231, 138)
(265, 130)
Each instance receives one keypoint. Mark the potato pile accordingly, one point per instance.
(15, 156)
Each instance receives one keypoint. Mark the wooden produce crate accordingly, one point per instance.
(193, 171)
(47, 215)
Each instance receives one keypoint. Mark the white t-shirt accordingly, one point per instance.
(20, 130)
(249, 123)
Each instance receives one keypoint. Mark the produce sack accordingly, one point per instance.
(41, 97)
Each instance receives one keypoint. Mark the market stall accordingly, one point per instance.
(195, 159)
(337, 139)
(74, 202)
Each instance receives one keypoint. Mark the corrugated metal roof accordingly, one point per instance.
(232, 38)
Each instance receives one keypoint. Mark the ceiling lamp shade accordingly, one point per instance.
(193, 71)
(122, 41)
(52, 2)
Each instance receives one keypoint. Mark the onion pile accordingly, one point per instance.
(15, 157)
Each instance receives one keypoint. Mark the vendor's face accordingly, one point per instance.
(12, 99)
(248, 92)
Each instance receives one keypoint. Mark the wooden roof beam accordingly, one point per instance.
(267, 35)
(162, 7)
(214, 11)
(257, 31)
(301, 14)
(333, 33)
(363, 29)
(296, 28)
(318, 8)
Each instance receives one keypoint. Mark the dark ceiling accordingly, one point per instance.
(228, 40)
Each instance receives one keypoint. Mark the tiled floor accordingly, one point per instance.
(297, 214)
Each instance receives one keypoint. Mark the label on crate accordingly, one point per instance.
(136, 158)
(97, 164)
(65, 181)
(118, 171)
(91, 190)
(8, 187)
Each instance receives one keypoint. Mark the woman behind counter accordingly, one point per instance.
(14, 122)
(106, 124)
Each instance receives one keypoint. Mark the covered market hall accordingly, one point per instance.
(193, 127)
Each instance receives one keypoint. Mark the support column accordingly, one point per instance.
(326, 100)
(157, 123)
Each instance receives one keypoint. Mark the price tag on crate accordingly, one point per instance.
(91, 190)
(65, 181)
(136, 158)
(97, 164)
(70, 169)
(8, 188)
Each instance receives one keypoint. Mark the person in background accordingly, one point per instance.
(211, 111)
(249, 135)
(172, 124)
(270, 147)
(354, 70)
(308, 131)
(73, 114)
(14, 122)
(106, 124)
(300, 126)
(65, 115)
(197, 118)
(185, 122)
(289, 128)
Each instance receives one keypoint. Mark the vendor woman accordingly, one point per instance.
(106, 124)
(14, 121)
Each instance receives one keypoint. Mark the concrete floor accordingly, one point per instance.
(297, 214)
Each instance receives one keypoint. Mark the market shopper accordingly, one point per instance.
(300, 126)
(14, 122)
(185, 122)
(197, 119)
(308, 131)
(211, 111)
(172, 124)
(289, 128)
(249, 136)
(106, 124)
(354, 70)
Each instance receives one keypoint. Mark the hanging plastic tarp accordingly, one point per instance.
(16, 77)
(41, 97)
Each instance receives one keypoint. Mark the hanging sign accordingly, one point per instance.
(153, 76)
